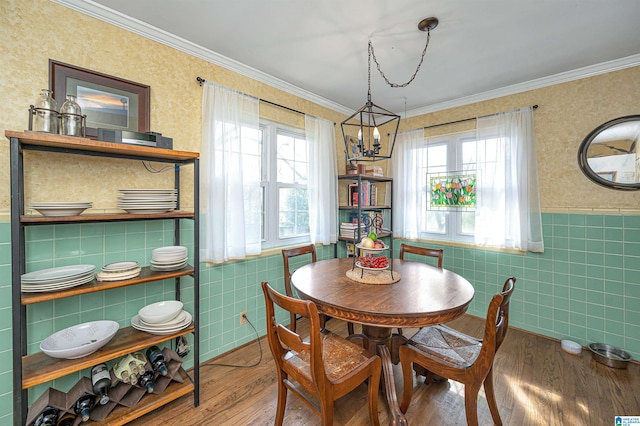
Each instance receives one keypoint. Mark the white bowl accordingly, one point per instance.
(79, 340)
(571, 347)
(160, 312)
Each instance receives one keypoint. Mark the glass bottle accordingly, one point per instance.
(48, 417)
(46, 113)
(83, 406)
(101, 381)
(157, 360)
(146, 380)
(71, 117)
(67, 419)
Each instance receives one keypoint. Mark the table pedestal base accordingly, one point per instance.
(381, 341)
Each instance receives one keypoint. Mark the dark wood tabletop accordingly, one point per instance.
(425, 294)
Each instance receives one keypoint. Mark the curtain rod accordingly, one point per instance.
(465, 119)
(202, 80)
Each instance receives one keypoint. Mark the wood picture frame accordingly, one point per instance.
(107, 101)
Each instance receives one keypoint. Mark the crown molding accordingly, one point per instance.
(564, 77)
(136, 26)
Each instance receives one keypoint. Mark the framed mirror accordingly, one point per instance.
(610, 154)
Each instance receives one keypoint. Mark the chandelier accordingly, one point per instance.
(362, 131)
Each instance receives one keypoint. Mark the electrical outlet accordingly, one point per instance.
(243, 318)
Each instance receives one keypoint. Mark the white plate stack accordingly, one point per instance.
(168, 258)
(147, 201)
(54, 279)
(61, 208)
(181, 321)
(119, 271)
(165, 317)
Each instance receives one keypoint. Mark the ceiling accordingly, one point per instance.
(318, 49)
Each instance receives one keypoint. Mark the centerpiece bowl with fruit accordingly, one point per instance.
(370, 249)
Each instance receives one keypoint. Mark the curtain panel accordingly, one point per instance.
(508, 199)
(230, 190)
(322, 184)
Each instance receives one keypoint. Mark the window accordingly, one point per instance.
(446, 155)
(284, 171)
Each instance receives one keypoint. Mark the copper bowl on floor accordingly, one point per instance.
(609, 355)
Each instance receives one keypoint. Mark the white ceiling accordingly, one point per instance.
(318, 49)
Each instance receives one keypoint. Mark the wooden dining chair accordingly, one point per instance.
(299, 251)
(324, 364)
(422, 251)
(454, 355)
(286, 255)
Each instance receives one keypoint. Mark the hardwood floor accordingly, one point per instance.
(536, 383)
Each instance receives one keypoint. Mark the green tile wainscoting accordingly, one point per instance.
(584, 287)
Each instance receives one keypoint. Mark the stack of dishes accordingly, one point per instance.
(54, 279)
(168, 258)
(147, 201)
(162, 318)
(61, 208)
(119, 271)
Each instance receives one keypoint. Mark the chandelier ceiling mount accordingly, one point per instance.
(371, 121)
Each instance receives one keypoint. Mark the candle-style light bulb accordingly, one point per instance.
(376, 136)
(360, 135)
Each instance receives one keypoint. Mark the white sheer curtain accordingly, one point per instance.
(322, 187)
(508, 200)
(408, 184)
(230, 178)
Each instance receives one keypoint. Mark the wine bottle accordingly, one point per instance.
(83, 406)
(101, 381)
(67, 419)
(157, 360)
(121, 370)
(48, 417)
(146, 380)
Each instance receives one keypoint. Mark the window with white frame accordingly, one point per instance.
(284, 171)
(446, 155)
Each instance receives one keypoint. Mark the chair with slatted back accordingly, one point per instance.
(454, 355)
(422, 251)
(324, 365)
(286, 255)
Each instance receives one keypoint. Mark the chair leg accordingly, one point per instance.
(292, 322)
(491, 398)
(282, 400)
(326, 413)
(471, 403)
(373, 388)
(407, 378)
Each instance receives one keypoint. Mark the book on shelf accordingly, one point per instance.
(353, 194)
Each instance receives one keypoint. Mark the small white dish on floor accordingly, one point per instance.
(571, 347)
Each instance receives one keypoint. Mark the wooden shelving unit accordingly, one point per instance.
(359, 179)
(30, 370)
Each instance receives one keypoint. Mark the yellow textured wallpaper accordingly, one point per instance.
(33, 32)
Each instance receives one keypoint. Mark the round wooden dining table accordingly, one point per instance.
(425, 295)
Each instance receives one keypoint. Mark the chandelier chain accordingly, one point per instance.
(372, 53)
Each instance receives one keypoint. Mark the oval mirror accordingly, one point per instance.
(610, 154)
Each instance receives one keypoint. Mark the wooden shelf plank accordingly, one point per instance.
(364, 208)
(40, 368)
(89, 145)
(104, 217)
(146, 275)
(371, 178)
(123, 415)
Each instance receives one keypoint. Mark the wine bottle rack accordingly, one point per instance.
(123, 397)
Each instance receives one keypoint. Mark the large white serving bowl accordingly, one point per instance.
(160, 312)
(79, 340)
